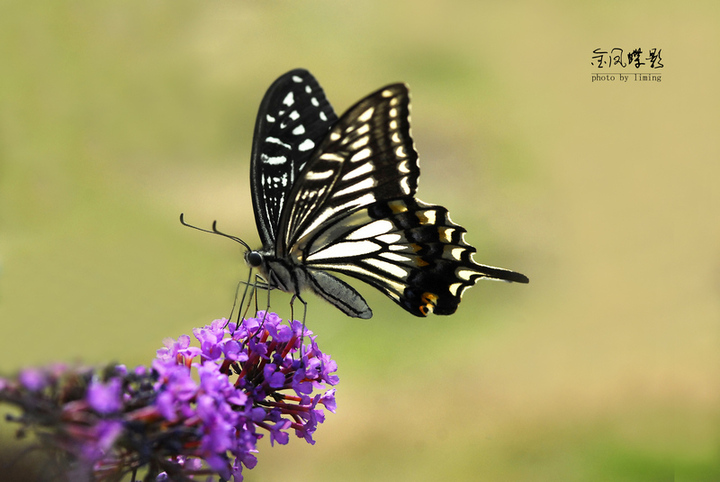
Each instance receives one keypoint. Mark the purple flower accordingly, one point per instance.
(277, 434)
(177, 350)
(196, 409)
(274, 377)
(33, 379)
(104, 398)
(210, 338)
(328, 399)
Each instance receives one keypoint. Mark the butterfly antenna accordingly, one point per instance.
(214, 230)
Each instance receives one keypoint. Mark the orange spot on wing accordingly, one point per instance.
(445, 234)
(430, 301)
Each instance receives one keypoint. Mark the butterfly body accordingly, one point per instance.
(295, 278)
(338, 195)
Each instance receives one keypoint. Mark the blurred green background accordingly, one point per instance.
(117, 116)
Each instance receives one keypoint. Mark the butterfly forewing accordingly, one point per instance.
(293, 119)
(367, 156)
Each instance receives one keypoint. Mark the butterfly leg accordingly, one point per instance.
(292, 317)
(248, 287)
(235, 299)
(261, 284)
(268, 289)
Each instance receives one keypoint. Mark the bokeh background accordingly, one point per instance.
(117, 116)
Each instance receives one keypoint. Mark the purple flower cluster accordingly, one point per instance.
(196, 411)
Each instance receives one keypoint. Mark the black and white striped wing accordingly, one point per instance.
(293, 118)
(409, 250)
(367, 156)
(353, 211)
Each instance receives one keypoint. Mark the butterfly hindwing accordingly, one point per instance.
(293, 118)
(409, 250)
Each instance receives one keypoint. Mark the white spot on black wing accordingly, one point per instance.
(344, 250)
(372, 230)
(319, 175)
(359, 143)
(358, 171)
(365, 116)
(395, 257)
(390, 268)
(306, 145)
(367, 183)
(389, 238)
(361, 155)
(275, 140)
(331, 156)
(274, 160)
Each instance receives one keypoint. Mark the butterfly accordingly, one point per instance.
(337, 195)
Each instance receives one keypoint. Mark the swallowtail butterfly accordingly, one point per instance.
(338, 195)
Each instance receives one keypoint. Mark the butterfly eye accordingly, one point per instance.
(254, 259)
